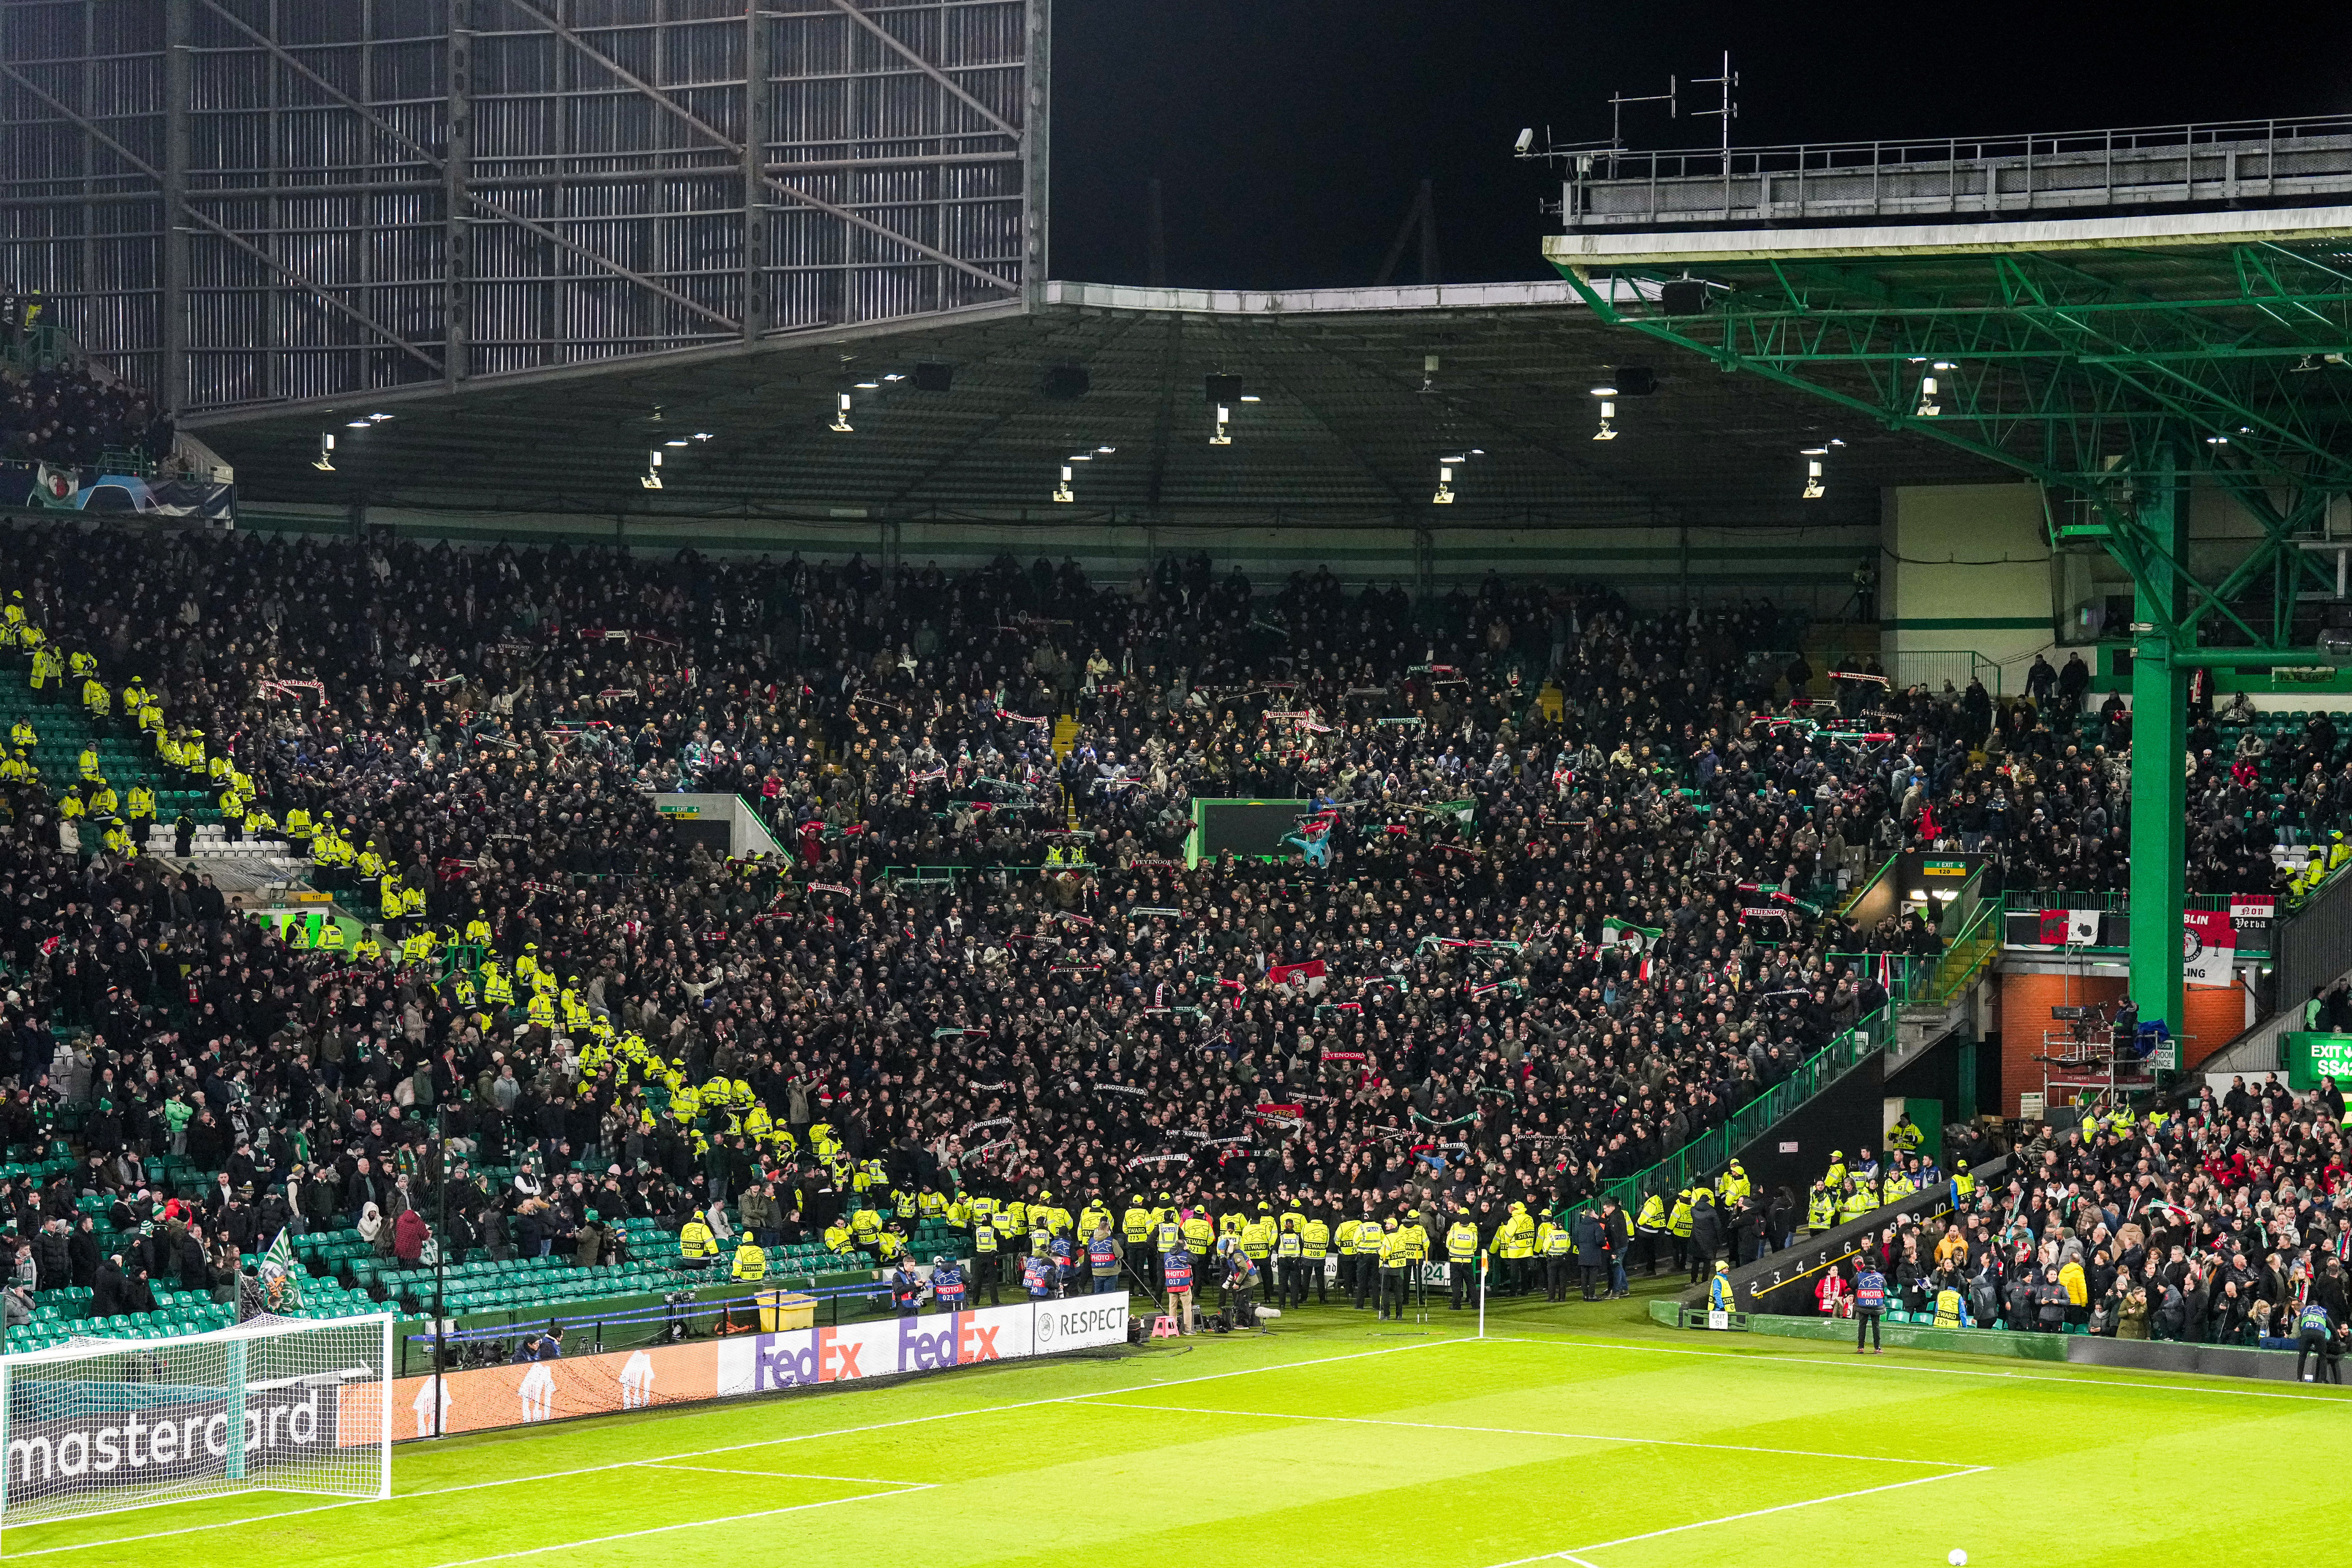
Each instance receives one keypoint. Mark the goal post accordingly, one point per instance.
(278, 1405)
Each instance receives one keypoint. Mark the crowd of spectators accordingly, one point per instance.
(67, 414)
(1567, 869)
(2215, 1226)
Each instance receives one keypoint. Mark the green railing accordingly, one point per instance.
(462, 958)
(1710, 1150)
(1984, 932)
(1910, 976)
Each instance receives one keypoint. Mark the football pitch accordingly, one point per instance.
(1578, 1435)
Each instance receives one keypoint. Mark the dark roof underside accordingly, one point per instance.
(1345, 429)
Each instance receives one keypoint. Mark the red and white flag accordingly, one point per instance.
(1309, 974)
(2209, 947)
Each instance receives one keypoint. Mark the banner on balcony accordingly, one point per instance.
(2209, 947)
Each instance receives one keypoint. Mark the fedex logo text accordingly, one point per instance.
(959, 1339)
(807, 1357)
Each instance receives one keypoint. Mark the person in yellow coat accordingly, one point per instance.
(696, 1246)
(750, 1262)
(1517, 1245)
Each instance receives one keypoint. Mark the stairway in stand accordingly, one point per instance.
(1837, 644)
(1065, 736)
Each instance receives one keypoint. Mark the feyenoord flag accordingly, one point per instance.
(2209, 947)
(1308, 974)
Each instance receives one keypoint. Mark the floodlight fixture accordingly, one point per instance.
(841, 415)
(325, 461)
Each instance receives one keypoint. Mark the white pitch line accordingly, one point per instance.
(778, 1475)
(188, 1529)
(1770, 1359)
(738, 1448)
(1574, 1553)
(688, 1524)
(1523, 1432)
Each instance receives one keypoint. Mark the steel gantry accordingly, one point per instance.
(247, 204)
(2120, 362)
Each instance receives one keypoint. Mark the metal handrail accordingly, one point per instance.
(2136, 151)
(1880, 152)
(1990, 913)
(1714, 1147)
(1912, 973)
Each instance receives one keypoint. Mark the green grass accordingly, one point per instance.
(1577, 1433)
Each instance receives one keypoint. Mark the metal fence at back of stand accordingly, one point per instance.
(2300, 158)
(1711, 1150)
(1935, 668)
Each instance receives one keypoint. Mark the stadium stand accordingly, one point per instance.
(1559, 903)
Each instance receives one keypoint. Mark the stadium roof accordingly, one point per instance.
(1349, 426)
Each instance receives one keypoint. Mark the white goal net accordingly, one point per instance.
(272, 1404)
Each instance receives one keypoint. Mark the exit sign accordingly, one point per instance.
(2310, 1058)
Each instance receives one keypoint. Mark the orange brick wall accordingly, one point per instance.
(2212, 1015)
(2025, 1004)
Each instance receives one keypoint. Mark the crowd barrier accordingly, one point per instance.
(526, 1393)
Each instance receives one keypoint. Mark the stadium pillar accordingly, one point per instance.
(758, 77)
(179, 43)
(456, 201)
(1036, 164)
(2159, 742)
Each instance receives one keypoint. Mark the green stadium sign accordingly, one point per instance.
(2310, 1058)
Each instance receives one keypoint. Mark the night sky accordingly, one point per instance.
(1291, 135)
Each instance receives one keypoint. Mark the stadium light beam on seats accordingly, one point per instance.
(841, 416)
(325, 461)
(651, 478)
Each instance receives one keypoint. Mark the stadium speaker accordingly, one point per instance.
(1224, 389)
(933, 377)
(1635, 380)
(1683, 297)
(1067, 382)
